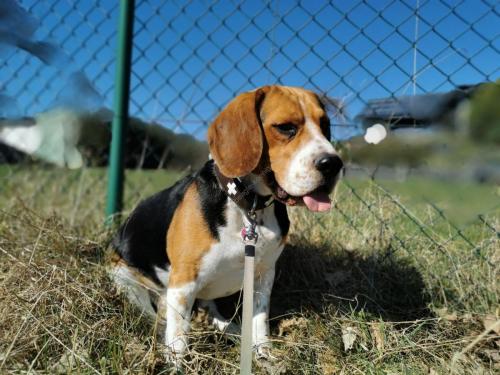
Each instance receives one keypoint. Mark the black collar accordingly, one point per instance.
(242, 195)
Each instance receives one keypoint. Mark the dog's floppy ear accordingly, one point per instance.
(235, 137)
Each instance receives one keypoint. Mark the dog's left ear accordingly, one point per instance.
(235, 137)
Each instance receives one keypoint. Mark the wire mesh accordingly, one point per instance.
(191, 57)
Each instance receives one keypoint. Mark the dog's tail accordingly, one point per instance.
(140, 289)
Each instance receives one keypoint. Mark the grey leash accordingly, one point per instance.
(249, 236)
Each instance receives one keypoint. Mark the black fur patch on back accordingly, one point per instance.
(213, 199)
(142, 239)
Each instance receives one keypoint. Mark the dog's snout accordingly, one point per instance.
(329, 164)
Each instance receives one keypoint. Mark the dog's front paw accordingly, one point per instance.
(264, 352)
(226, 326)
(269, 362)
(174, 361)
(174, 354)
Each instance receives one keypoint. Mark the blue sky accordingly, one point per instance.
(190, 58)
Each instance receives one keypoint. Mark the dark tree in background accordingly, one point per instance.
(485, 114)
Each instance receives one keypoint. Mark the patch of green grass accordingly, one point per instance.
(77, 196)
(412, 288)
(461, 202)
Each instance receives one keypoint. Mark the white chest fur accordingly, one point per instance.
(221, 269)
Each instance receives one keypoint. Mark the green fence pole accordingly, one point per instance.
(120, 117)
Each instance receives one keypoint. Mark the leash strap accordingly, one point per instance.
(246, 326)
(249, 236)
(249, 201)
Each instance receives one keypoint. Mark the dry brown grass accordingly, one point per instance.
(415, 298)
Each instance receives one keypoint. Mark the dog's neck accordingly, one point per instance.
(246, 192)
(257, 184)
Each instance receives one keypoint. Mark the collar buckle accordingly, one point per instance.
(249, 233)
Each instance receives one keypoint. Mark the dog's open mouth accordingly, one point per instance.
(316, 201)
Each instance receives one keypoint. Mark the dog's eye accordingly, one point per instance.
(287, 129)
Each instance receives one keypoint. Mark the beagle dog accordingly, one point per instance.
(271, 149)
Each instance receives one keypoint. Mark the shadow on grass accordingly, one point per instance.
(311, 279)
(382, 285)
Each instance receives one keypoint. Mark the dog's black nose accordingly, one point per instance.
(329, 164)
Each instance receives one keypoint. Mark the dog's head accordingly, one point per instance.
(281, 134)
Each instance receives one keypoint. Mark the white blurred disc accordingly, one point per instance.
(375, 134)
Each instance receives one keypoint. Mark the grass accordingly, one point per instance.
(388, 270)
(460, 202)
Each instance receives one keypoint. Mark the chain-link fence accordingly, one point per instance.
(191, 58)
(425, 70)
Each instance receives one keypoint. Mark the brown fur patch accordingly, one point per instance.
(182, 301)
(286, 105)
(114, 259)
(117, 262)
(235, 137)
(188, 239)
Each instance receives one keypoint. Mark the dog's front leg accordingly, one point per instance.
(179, 301)
(260, 322)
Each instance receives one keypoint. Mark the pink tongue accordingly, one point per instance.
(317, 202)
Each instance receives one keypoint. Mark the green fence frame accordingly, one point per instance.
(121, 107)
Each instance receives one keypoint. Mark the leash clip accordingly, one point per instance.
(248, 233)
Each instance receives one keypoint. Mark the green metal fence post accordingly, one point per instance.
(121, 102)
